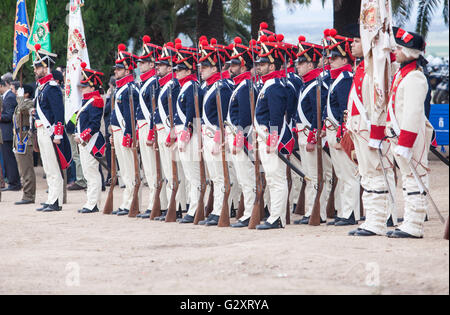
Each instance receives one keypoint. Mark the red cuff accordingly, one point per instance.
(126, 141)
(59, 129)
(185, 136)
(218, 137)
(312, 137)
(151, 135)
(272, 140)
(86, 135)
(239, 139)
(168, 139)
(407, 138)
(377, 132)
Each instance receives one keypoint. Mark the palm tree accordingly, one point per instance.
(426, 10)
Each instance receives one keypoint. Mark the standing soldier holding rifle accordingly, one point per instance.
(186, 67)
(240, 120)
(91, 142)
(274, 134)
(144, 117)
(307, 66)
(212, 133)
(121, 124)
(168, 94)
(348, 187)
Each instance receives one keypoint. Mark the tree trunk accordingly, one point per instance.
(345, 13)
(210, 24)
(261, 13)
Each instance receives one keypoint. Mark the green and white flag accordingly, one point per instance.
(40, 31)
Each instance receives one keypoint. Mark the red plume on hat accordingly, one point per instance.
(37, 47)
(146, 39)
(263, 26)
(238, 40)
(121, 47)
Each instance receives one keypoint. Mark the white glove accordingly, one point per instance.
(20, 92)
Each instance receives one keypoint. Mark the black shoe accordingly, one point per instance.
(400, 234)
(75, 187)
(117, 211)
(85, 210)
(23, 202)
(123, 212)
(162, 217)
(363, 232)
(187, 219)
(268, 226)
(346, 222)
(52, 208)
(353, 233)
(304, 221)
(44, 205)
(12, 188)
(145, 215)
(213, 220)
(211, 217)
(241, 224)
(389, 233)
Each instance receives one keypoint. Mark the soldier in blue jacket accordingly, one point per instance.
(53, 143)
(149, 87)
(211, 73)
(186, 126)
(307, 66)
(348, 187)
(274, 134)
(240, 121)
(166, 136)
(121, 123)
(90, 139)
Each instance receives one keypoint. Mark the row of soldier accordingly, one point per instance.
(249, 117)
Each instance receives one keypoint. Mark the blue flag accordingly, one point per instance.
(21, 33)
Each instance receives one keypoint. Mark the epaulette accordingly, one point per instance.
(98, 102)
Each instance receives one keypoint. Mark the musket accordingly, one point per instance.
(134, 208)
(224, 219)
(156, 207)
(109, 204)
(314, 220)
(258, 205)
(439, 156)
(300, 209)
(330, 204)
(172, 210)
(200, 212)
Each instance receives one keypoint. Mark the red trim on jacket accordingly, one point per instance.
(148, 75)
(407, 138)
(166, 79)
(45, 79)
(213, 79)
(124, 80)
(187, 79)
(88, 96)
(312, 75)
(244, 76)
(270, 76)
(337, 72)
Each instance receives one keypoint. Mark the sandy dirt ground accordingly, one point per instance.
(70, 253)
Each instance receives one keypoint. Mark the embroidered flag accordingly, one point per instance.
(76, 54)
(378, 42)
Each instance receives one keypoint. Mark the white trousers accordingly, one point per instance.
(349, 186)
(149, 165)
(309, 161)
(51, 167)
(126, 163)
(275, 171)
(375, 198)
(416, 204)
(246, 180)
(297, 182)
(166, 163)
(190, 161)
(93, 178)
